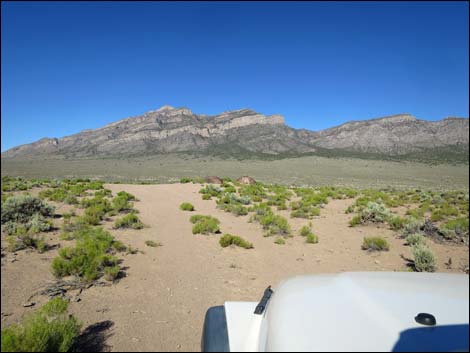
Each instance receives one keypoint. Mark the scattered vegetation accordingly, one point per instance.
(205, 224)
(279, 241)
(130, 220)
(375, 244)
(186, 206)
(49, 329)
(90, 257)
(229, 239)
(424, 259)
(152, 243)
(415, 239)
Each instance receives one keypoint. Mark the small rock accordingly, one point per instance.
(77, 299)
(13, 260)
(28, 305)
(299, 259)
(377, 262)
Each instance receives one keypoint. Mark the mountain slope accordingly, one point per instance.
(247, 133)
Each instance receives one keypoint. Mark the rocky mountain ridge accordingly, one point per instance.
(246, 132)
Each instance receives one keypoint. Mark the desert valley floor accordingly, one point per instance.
(160, 304)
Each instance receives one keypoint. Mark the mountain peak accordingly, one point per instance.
(165, 108)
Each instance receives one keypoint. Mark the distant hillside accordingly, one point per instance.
(247, 134)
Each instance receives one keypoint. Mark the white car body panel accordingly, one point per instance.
(362, 311)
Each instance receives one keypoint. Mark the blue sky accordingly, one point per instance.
(73, 66)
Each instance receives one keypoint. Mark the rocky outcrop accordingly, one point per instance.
(245, 132)
(246, 180)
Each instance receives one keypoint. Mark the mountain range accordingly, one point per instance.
(245, 133)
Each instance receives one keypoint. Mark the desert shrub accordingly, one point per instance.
(94, 185)
(103, 193)
(127, 196)
(73, 229)
(375, 244)
(206, 197)
(185, 180)
(396, 222)
(204, 224)
(305, 230)
(89, 258)
(23, 240)
(121, 203)
(356, 220)
(312, 238)
(373, 212)
(119, 246)
(279, 241)
(186, 206)
(36, 224)
(21, 208)
(229, 239)
(307, 212)
(93, 215)
(131, 250)
(236, 209)
(49, 329)
(459, 226)
(96, 201)
(228, 188)
(211, 190)
(415, 239)
(424, 259)
(111, 273)
(275, 224)
(272, 223)
(152, 243)
(130, 220)
(412, 225)
(255, 192)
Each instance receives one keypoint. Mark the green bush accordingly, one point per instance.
(21, 208)
(103, 193)
(375, 244)
(424, 259)
(356, 220)
(396, 222)
(127, 196)
(111, 273)
(415, 239)
(186, 206)
(211, 190)
(49, 329)
(93, 215)
(458, 226)
(185, 180)
(229, 239)
(412, 226)
(89, 258)
(121, 203)
(204, 224)
(22, 240)
(152, 243)
(305, 230)
(130, 220)
(312, 238)
(272, 223)
(279, 241)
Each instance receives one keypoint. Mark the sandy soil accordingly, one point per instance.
(160, 304)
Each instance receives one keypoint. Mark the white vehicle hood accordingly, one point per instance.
(362, 311)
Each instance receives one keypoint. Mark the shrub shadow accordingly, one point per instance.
(94, 337)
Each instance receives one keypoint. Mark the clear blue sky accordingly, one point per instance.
(73, 66)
